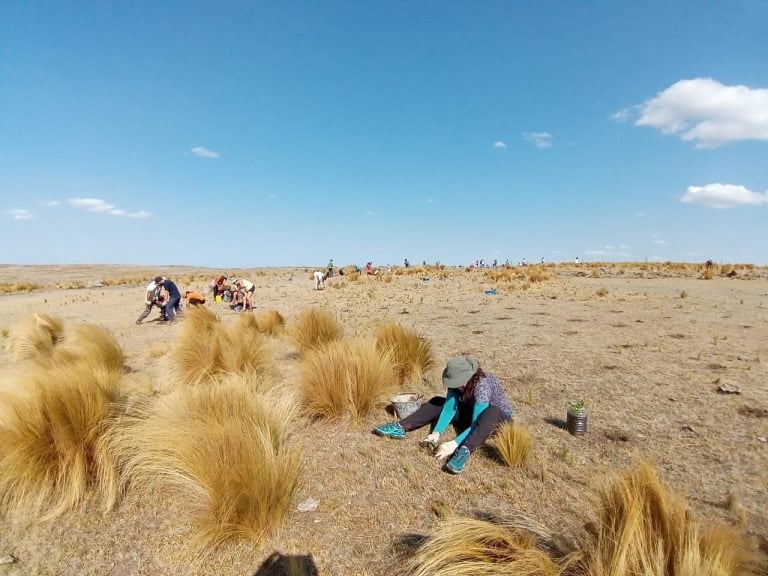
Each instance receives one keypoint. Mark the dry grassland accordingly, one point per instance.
(646, 346)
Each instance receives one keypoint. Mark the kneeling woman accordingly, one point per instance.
(475, 403)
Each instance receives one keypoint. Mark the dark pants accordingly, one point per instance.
(173, 307)
(148, 309)
(428, 413)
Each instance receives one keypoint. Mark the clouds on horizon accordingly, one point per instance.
(705, 111)
(723, 196)
(101, 206)
(499, 144)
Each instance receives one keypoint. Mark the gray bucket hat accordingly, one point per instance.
(458, 371)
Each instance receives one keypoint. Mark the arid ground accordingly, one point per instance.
(647, 348)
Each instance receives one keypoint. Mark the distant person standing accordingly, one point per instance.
(152, 298)
(576, 260)
(406, 263)
(329, 271)
(173, 304)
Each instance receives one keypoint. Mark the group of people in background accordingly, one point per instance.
(163, 294)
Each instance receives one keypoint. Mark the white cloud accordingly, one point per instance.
(722, 196)
(539, 139)
(623, 246)
(204, 152)
(659, 242)
(641, 214)
(707, 112)
(598, 252)
(499, 144)
(91, 204)
(51, 203)
(99, 205)
(19, 213)
(432, 201)
(369, 213)
(273, 195)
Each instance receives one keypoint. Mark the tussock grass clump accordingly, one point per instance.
(270, 322)
(225, 450)
(207, 349)
(10, 288)
(345, 379)
(537, 274)
(34, 337)
(468, 547)
(315, 327)
(51, 420)
(92, 345)
(642, 529)
(513, 443)
(411, 354)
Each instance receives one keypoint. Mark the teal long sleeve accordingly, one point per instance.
(476, 411)
(448, 411)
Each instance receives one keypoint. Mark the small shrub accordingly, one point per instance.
(683, 294)
(226, 450)
(411, 354)
(315, 327)
(345, 379)
(513, 444)
(601, 292)
(34, 337)
(270, 322)
(6, 288)
(708, 274)
(468, 547)
(52, 419)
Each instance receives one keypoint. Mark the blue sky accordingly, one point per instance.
(285, 133)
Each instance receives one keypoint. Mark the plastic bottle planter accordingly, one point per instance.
(576, 421)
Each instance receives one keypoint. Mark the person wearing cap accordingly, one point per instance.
(152, 298)
(475, 403)
(246, 287)
(173, 298)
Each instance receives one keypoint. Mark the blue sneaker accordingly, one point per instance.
(390, 430)
(458, 461)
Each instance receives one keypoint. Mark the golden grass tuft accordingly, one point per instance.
(513, 444)
(642, 529)
(10, 288)
(92, 345)
(315, 327)
(51, 420)
(412, 355)
(207, 349)
(468, 547)
(225, 450)
(537, 274)
(34, 337)
(270, 322)
(346, 379)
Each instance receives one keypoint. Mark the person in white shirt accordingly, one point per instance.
(246, 287)
(319, 280)
(152, 298)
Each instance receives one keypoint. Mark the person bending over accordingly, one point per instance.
(475, 403)
(152, 298)
(173, 301)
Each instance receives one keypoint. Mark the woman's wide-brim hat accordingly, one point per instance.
(458, 371)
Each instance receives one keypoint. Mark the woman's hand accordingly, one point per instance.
(433, 438)
(446, 449)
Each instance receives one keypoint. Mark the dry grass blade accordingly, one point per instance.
(468, 547)
(34, 337)
(314, 328)
(642, 529)
(513, 444)
(223, 448)
(50, 422)
(345, 379)
(95, 347)
(411, 354)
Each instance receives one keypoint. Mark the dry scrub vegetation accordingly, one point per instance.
(195, 448)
